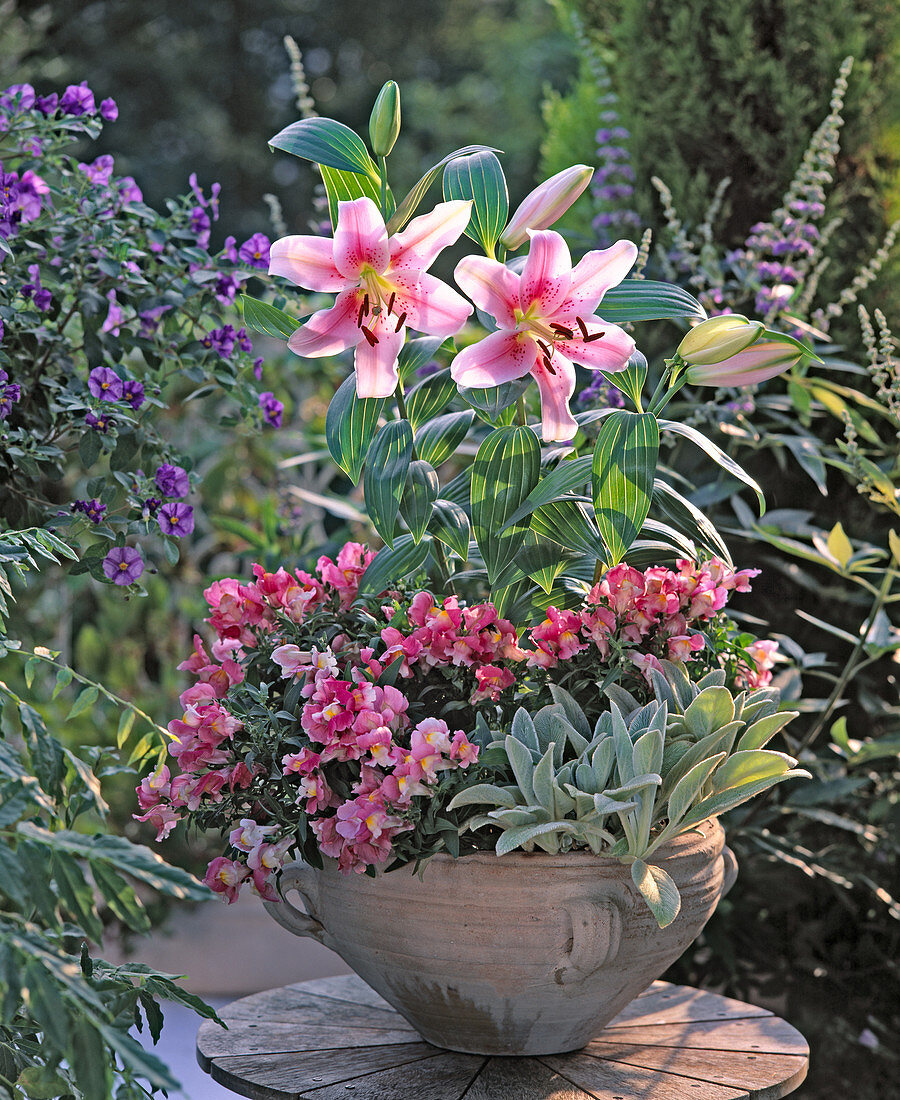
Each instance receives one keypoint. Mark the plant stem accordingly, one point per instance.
(521, 405)
(382, 171)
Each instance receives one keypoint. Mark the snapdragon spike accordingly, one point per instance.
(546, 322)
(382, 286)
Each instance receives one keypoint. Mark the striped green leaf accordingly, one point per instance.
(570, 523)
(717, 455)
(418, 498)
(504, 472)
(480, 177)
(262, 317)
(450, 523)
(459, 490)
(392, 563)
(573, 473)
(439, 438)
(645, 300)
(350, 426)
(491, 402)
(416, 354)
(624, 467)
(410, 202)
(328, 143)
(346, 186)
(630, 380)
(429, 398)
(687, 518)
(386, 468)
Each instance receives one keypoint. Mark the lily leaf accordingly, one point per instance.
(327, 142)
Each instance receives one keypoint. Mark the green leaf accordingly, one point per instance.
(489, 403)
(431, 396)
(262, 317)
(712, 709)
(723, 801)
(76, 893)
(689, 786)
(416, 354)
(346, 186)
(120, 897)
(481, 794)
(570, 523)
(480, 177)
(386, 468)
(392, 564)
(764, 729)
(504, 472)
(89, 449)
(350, 426)
(645, 300)
(716, 454)
(624, 468)
(437, 440)
(630, 380)
(658, 891)
(750, 766)
(90, 1059)
(686, 517)
(570, 474)
(327, 142)
(85, 701)
(418, 497)
(450, 523)
(410, 202)
(126, 722)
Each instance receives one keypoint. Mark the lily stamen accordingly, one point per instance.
(562, 330)
(545, 348)
(390, 305)
(583, 327)
(595, 336)
(369, 335)
(400, 321)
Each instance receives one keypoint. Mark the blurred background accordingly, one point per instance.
(690, 92)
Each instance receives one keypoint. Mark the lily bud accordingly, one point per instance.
(752, 365)
(718, 339)
(546, 203)
(384, 122)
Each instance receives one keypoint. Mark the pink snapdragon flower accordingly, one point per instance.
(382, 287)
(224, 876)
(546, 320)
(344, 574)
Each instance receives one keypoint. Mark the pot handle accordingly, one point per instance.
(596, 933)
(730, 871)
(288, 915)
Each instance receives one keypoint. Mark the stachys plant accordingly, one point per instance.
(642, 776)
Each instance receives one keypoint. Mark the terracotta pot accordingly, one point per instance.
(528, 953)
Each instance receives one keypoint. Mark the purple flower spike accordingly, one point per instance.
(172, 481)
(176, 519)
(105, 384)
(123, 565)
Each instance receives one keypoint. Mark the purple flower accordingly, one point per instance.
(93, 509)
(42, 298)
(114, 316)
(229, 252)
(200, 223)
(149, 507)
(99, 423)
(257, 367)
(272, 409)
(221, 340)
(243, 340)
(10, 393)
(172, 481)
(18, 96)
(176, 519)
(109, 110)
(123, 565)
(105, 384)
(255, 251)
(133, 393)
(129, 190)
(227, 287)
(77, 99)
(47, 104)
(100, 171)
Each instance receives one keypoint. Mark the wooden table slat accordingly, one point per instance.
(336, 1038)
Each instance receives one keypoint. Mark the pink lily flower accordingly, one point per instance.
(546, 320)
(382, 287)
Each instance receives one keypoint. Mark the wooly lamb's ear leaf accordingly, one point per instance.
(573, 712)
(749, 766)
(522, 765)
(482, 793)
(658, 891)
(712, 709)
(689, 787)
(522, 728)
(764, 729)
(523, 834)
(727, 800)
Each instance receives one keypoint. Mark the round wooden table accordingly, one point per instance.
(336, 1039)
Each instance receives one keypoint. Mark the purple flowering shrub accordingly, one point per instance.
(111, 314)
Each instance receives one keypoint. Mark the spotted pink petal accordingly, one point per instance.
(547, 274)
(610, 353)
(376, 365)
(556, 385)
(429, 304)
(417, 247)
(306, 261)
(330, 330)
(491, 286)
(496, 359)
(360, 239)
(597, 271)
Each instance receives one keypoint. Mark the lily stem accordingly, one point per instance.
(382, 172)
(521, 404)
